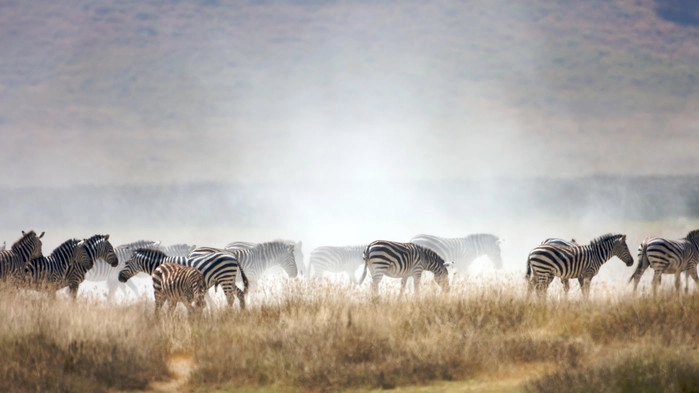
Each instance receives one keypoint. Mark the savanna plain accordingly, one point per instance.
(300, 334)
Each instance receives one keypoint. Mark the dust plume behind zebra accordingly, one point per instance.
(403, 260)
(337, 260)
(462, 251)
(547, 261)
(668, 256)
(284, 254)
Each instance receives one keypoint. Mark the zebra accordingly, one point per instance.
(14, 260)
(463, 250)
(68, 263)
(262, 256)
(667, 256)
(175, 283)
(49, 273)
(337, 260)
(403, 260)
(547, 261)
(556, 241)
(103, 272)
(218, 268)
(180, 249)
(275, 254)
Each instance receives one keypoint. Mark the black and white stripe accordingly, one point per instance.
(463, 250)
(547, 261)
(403, 260)
(667, 256)
(262, 256)
(49, 273)
(104, 272)
(173, 282)
(14, 260)
(218, 268)
(329, 259)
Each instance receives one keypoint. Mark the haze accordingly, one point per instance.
(309, 101)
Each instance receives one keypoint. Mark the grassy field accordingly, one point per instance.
(323, 336)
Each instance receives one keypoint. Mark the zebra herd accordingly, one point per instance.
(185, 273)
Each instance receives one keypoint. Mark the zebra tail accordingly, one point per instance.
(643, 262)
(246, 284)
(364, 256)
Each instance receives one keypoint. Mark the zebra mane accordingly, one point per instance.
(93, 240)
(693, 236)
(149, 252)
(429, 253)
(606, 238)
(68, 245)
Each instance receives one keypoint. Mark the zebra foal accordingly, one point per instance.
(547, 261)
(667, 256)
(177, 283)
(403, 260)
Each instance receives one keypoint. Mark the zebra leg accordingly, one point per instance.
(403, 281)
(586, 287)
(542, 284)
(693, 274)
(73, 289)
(566, 286)
(656, 281)
(375, 280)
(159, 300)
(678, 281)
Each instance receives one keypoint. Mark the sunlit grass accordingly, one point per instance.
(313, 335)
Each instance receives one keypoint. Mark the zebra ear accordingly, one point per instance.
(106, 237)
(623, 238)
(42, 234)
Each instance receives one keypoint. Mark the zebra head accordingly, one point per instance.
(31, 242)
(89, 250)
(621, 250)
(142, 260)
(432, 262)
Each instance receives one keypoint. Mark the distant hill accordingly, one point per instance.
(177, 64)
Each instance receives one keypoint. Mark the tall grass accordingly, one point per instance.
(319, 336)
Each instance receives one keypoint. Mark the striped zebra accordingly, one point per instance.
(403, 260)
(49, 273)
(463, 250)
(276, 252)
(218, 268)
(556, 241)
(104, 272)
(668, 256)
(14, 260)
(329, 259)
(68, 263)
(547, 261)
(174, 283)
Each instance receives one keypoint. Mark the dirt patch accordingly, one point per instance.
(180, 365)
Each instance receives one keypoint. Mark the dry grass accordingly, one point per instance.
(319, 336)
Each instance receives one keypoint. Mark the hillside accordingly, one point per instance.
(185, 65)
